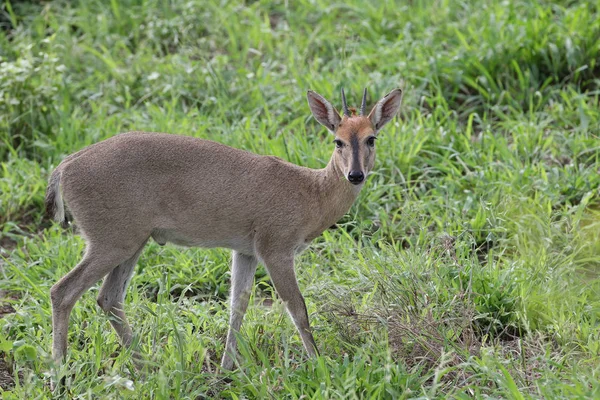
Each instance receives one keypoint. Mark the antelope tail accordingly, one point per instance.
(55, 207)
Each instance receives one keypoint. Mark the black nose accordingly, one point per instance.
(356, 177)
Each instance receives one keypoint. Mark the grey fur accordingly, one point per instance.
(193, 192)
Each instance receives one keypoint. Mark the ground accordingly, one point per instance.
(468, 267)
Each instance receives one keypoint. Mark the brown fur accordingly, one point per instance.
(194, 192)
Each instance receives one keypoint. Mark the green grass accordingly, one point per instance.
(469, 266)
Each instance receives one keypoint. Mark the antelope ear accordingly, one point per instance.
(323, 111)
(386, 109)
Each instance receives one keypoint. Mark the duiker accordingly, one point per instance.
(192, 192)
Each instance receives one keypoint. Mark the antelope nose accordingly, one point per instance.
(356, 177)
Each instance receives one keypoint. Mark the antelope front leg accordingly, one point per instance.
(243, 268)
(281, 271)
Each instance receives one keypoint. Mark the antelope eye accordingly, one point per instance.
(338, 143)
(371, 141)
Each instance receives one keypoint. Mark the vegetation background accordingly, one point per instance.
(469, 266)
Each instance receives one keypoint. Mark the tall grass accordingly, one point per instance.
(468, 267)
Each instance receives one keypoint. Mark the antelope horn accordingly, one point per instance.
(344, 105)
(363, 105)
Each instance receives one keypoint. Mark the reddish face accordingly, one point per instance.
(355, 135)
(355, 148)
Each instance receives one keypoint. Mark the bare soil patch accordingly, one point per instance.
(6, 380)
(6, 370)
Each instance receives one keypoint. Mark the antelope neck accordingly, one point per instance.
(335, 192)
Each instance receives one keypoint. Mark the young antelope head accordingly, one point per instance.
(355, 134)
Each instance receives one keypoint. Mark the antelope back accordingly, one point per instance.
(186, 190)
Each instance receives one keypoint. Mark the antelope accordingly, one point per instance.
(129, 188)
